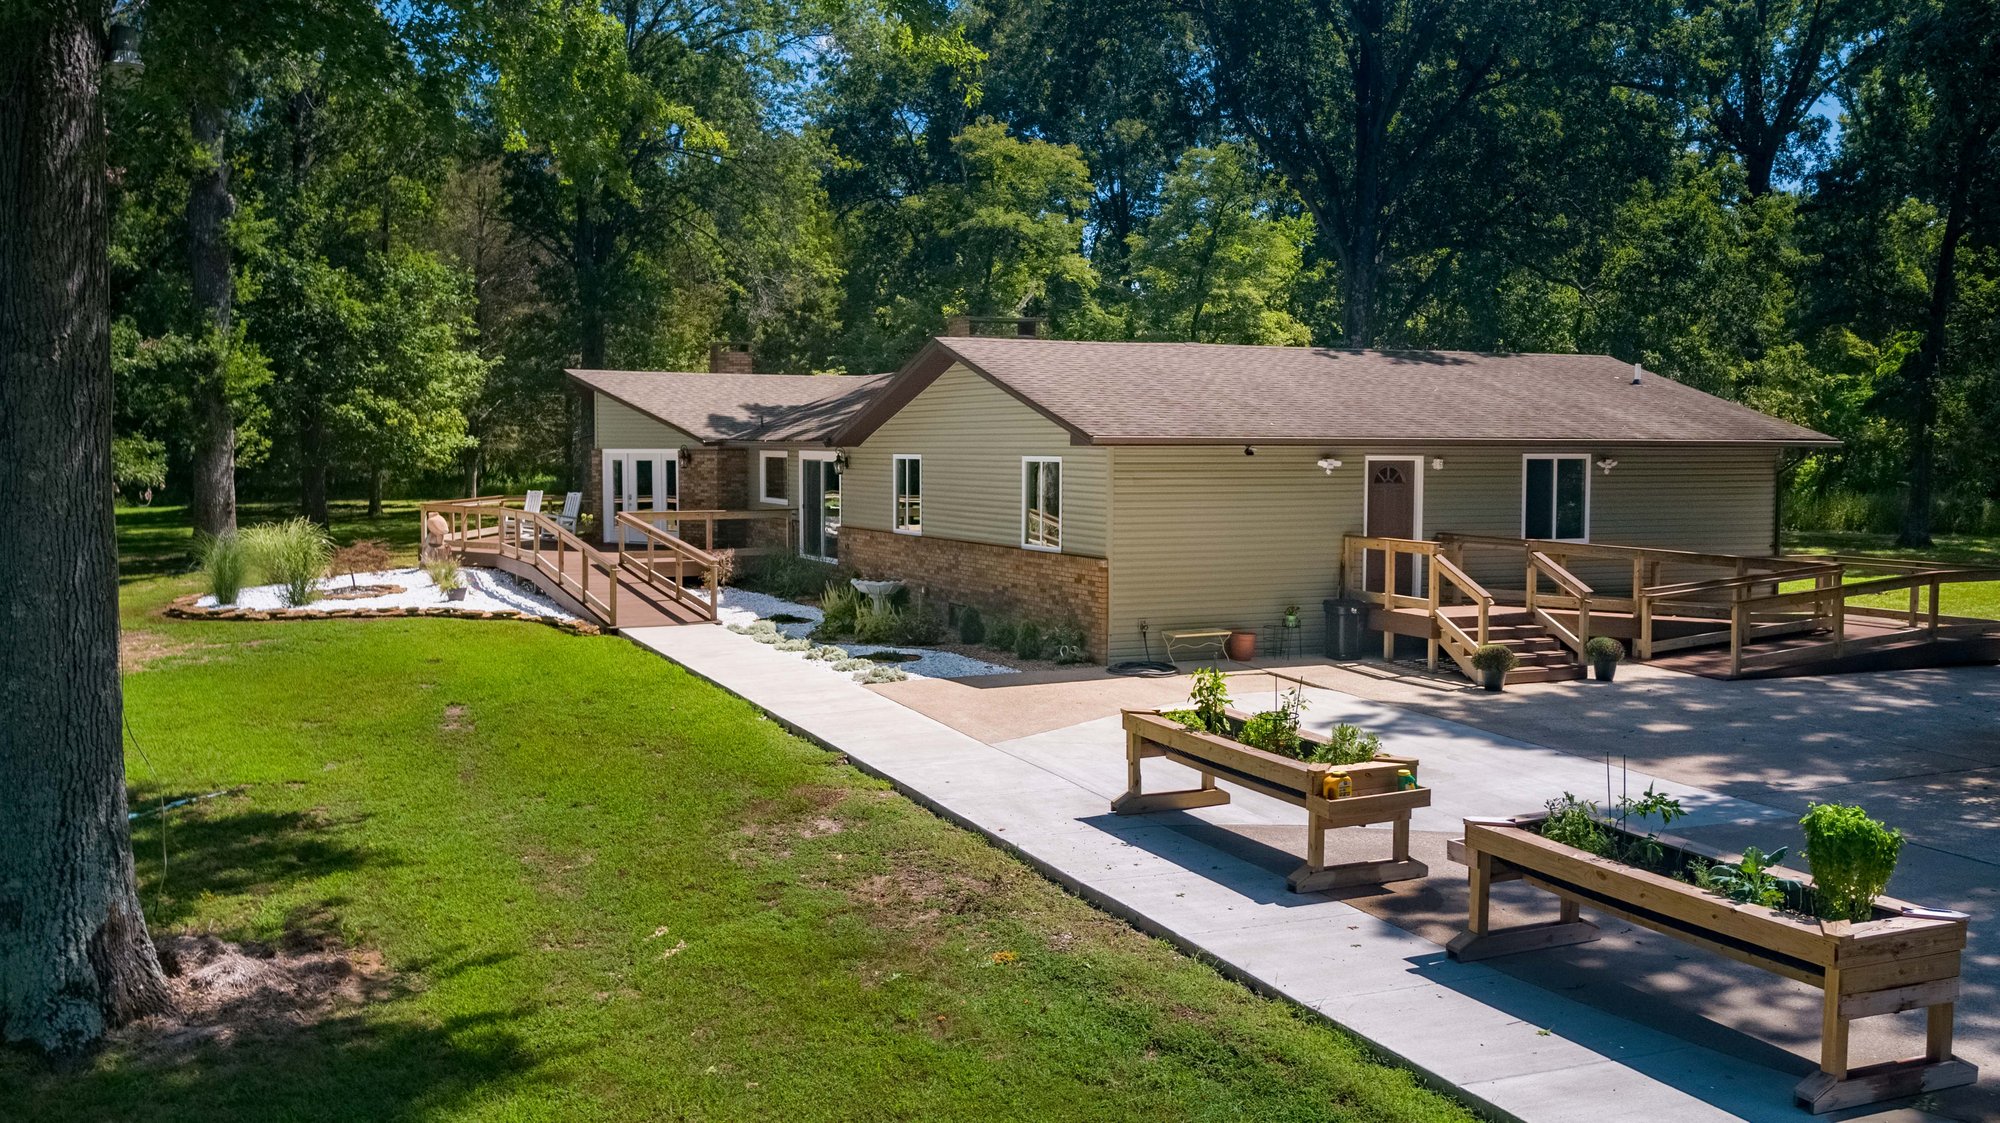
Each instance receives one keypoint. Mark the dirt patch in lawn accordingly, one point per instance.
(139, 649)
(226, 993)
(455, 720)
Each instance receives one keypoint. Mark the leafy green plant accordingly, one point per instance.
(1574, 822)
(1345, 744)
(1276, 730)
(1494, 658)
(840, 606)
(1210, 697)
(971, 626)
(920, 626)
(1748, 879)
(873, 625)
(1028, 640)
(1189, 719)
(294, 554)
(785, 574)
(1852, 858)
(1604, 649)
(1000, 634)
(1067, 643)
(225, 563)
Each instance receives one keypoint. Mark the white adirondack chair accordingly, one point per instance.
(572, 504)
(531, 505)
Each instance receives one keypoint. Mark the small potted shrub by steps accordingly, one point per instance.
(1604, 654)
(1493, 662)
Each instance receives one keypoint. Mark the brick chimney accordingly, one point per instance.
(1024, 327)
(729, 358)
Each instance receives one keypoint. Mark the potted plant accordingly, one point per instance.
(1493, 662)
(1604, 654)
(1291, 616)
(444, 574)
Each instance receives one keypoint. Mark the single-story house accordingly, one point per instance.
(1194, 485)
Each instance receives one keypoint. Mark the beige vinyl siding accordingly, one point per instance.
(972, 436)
(621, 426)
(1208, 537)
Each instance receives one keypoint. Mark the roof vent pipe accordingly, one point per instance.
(1637, 370)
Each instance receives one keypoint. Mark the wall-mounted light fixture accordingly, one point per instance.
(686, 457)
(1437, 463)
(1327, 464)
(840, 461)
(1248, 451)
(1606, 463)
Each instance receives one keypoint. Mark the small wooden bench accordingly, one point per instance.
(1196, 637)
(1375, 799)
(1907, 958)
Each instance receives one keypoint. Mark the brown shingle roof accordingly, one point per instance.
(1186, 393)
(735, 407)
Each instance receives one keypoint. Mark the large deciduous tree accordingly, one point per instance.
(75, 955)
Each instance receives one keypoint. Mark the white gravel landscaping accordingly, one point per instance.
(486, 590)
(741, 608)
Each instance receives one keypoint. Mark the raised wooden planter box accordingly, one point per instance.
(1375, 798)
(1906, 958)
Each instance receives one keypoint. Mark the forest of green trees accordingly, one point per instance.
(355, 244)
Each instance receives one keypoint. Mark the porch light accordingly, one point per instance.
(1607, 463)
(686, 456)
(1437, 463)
(1328, 463)
(1248, 451)
(840, 461)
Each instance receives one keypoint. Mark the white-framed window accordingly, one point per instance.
(908, 487)
(1041, 502)
(771, 478)
(1555, 496)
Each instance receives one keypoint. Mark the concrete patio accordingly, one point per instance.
(1633, 1026)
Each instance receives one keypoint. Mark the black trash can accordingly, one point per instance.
(1344, 620)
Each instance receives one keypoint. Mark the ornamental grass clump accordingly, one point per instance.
(1851, 856)
(293, 554)
(225, 563)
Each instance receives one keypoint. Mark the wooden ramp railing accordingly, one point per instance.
(523, 535)
(669, 574)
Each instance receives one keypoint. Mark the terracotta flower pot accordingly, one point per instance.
(1241, 647)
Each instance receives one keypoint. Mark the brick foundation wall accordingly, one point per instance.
(1051, 588)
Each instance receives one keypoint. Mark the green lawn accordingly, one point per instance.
(1972, 598)
(610, 891)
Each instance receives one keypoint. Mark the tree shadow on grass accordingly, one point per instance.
(212, 848)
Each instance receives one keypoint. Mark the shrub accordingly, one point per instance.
(785, 574)
(799, 644)
(1000, 634)
(370, 555)
(1603, 649)
(768, 637)
(921, 627)
(880, 673)
(827, 654)
(1028, 640)
(762, 627)
(1494, 657)
(853, 665)
(1852, 857)
(971, 626)
(1067, 643)
(725, 566)
(1345, 744)
(294, 554)
(873, 626)
(840, 607)
(225, 562)
(444, 574)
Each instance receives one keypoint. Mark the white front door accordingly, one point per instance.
(638, 480)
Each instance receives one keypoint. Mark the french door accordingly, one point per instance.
(638, 480)
(819, 506)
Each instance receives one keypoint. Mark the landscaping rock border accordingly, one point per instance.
(185, 608)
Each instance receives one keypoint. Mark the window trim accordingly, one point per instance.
(1584, 457)
(764, 458)
(896, 495)
(1036, 546)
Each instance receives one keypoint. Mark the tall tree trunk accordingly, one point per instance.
(75, 956)
(590, 345)
(1924, 367)
(375, 494)
(209, 207)
(313, 464)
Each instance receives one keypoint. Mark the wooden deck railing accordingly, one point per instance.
(1355, 552)
(1578, 594)
(669, 574)
(545, 545)
(1447, 578)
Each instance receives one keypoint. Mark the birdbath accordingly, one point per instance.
(877, 591)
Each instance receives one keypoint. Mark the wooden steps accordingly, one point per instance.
(1542, 657)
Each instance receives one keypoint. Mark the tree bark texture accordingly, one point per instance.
(1927, 364)
(75, 956)
(314, 464)
(209, 206)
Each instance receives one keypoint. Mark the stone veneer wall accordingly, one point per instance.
(1050, 588)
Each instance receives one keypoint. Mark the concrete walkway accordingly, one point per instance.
(1500, 1040)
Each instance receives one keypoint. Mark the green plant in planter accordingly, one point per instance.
(1851, 856)
(1574, 822)
(1493, 662)
(1276, 731)
(1291, 616)
(1346, 744)
(1604, 649)
(1210, 698)
(1748, 880)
